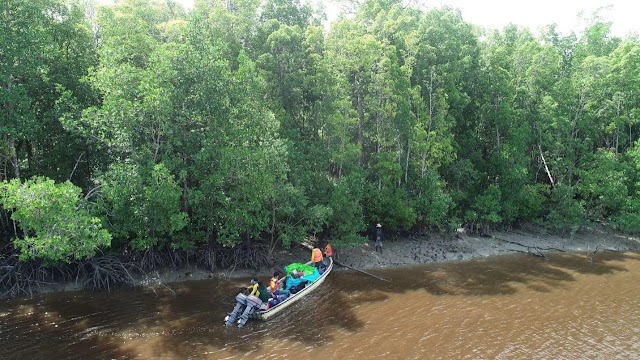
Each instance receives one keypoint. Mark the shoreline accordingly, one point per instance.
(432, 248)
(403, 252)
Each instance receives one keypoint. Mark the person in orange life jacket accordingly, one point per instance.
(328, 250)
(278, 294)
(275, 285)
(318, 260)
(258, 295)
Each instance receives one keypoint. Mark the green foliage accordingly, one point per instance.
(347, 219)
(487, 208)
(56, 225)
(628, 218)
(47, 48)
(240, 162)
(293, 217)
(143, 205)
(531, 202)
(603, 186)
(389, 206)
(264, 126)
(566, 215)
(432, 203)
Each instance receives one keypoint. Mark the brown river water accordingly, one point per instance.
(506, 307)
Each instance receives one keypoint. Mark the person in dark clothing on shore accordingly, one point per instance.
(378, 237)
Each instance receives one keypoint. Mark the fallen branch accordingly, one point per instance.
(529, 252)
(593, 254)
(362, 271)
(159, 283)
(540, 254)
(528, 246)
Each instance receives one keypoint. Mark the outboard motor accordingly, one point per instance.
(241, 303)
(253, 303)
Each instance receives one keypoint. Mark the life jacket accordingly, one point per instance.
(328, 250)
(254, 290)
(274, 284)
(316, 255)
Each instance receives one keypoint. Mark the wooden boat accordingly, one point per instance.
(265, 314)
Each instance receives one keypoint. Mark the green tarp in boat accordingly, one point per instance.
(304, 268)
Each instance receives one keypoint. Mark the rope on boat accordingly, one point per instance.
(362, 271)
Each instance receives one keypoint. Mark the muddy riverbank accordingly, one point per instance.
(399, 252)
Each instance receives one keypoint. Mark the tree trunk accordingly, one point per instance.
(546, 168)
(360, 108)
(13, 156)
(406, 167)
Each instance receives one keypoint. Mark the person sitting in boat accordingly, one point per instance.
(277, 299)
(295, 282)
(328, 250)
(275, 285)
(316, 258)
(259, 295)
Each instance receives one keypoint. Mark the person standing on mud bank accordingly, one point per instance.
(378, 237)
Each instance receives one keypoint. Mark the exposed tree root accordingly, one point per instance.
(530, 249)
(18, 278)
(592, 258)
(178, 258)
(151, 259)
(209, 257)
(104, 273)
(246, 256)
(24, 278)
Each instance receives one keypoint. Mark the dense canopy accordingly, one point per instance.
(141, 128)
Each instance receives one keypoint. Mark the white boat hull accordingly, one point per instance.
(266, 314)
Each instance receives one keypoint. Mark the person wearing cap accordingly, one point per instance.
(379, 236)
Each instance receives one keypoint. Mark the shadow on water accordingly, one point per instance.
(309, 321)
(500, 275)
(190, 316)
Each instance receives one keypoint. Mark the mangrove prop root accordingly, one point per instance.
(107, 272)
(252, 257)
(104, 273)
(209, 258)
(24, 278)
